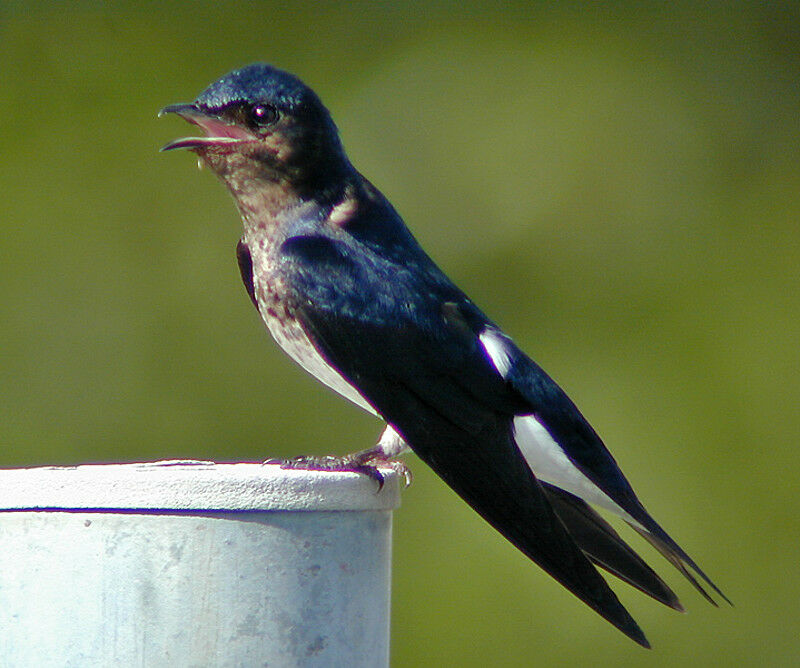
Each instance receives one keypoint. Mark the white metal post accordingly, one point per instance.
(194, 564)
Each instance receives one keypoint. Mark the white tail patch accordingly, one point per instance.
(550, 463)
(495, 345)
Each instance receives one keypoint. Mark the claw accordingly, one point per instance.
(400, 469)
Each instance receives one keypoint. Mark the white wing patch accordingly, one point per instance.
(494, 343)
(550, 463)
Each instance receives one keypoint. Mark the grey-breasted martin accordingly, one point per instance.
(348, 293)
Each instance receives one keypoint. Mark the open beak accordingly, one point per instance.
(218, 132)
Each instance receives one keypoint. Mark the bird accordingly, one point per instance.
(347, 291)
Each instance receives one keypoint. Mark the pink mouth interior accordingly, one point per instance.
(216, 128)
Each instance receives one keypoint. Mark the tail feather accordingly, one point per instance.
(601, 543)
(672, 552)
(509, 497)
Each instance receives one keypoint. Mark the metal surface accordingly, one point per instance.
(194, 564)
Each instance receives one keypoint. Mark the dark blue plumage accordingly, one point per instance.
(347, 291)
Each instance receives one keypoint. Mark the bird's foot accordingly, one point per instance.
(366, 462)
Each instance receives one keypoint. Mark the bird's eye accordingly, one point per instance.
(261, 115)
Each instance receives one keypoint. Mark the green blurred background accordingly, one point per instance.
(619, 188)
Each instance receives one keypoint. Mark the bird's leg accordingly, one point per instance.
(389, 446)
(383, 453)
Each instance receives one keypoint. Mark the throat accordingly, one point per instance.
(264, 204)
(268, 198)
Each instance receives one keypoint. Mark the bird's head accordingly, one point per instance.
(261, 122)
